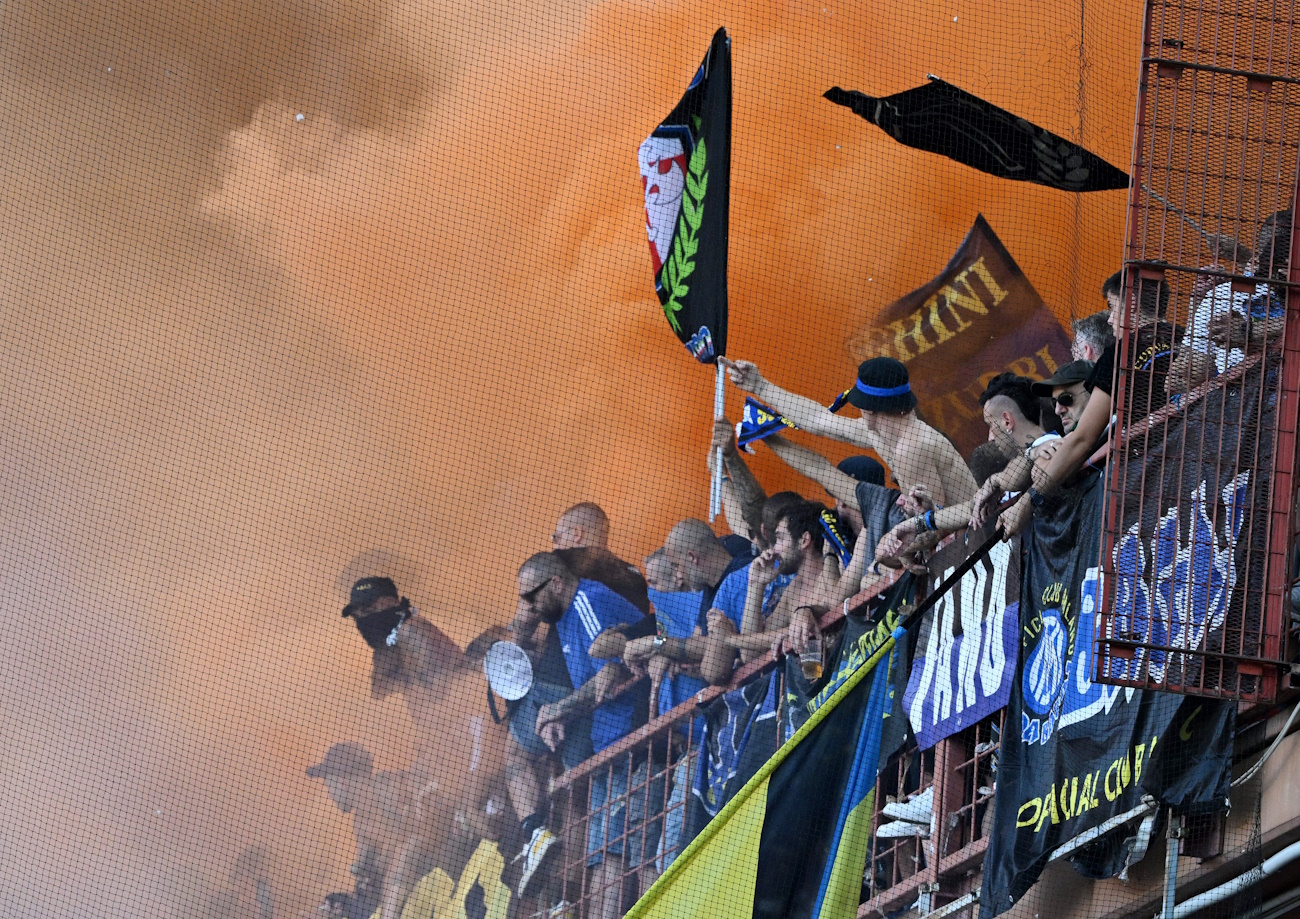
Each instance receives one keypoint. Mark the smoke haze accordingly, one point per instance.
(247, 355)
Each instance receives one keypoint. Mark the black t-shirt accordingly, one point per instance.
(1151, 352)
(1103, 372)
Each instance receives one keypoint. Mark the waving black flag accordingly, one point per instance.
(686, 177)
(940, 118)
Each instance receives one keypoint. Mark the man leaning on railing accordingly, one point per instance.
(569, 709)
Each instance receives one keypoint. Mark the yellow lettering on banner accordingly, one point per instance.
(1044, 355)
(1137, 763)
(901, 334)
(987, 278)
(1085, 799)
(1049, 810)
(936, 322)
(960, 293)
(1114, 768)
(1125, 772)
(1037, 805)
(1068, 803)
(1024, 367)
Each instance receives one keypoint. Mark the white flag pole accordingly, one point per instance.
(715, 484)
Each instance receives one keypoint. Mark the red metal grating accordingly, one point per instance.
(1198, 526)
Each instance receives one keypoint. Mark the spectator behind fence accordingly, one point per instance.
(1226, 324)
(764, 607)
(1092, 335)
(660, 575)
(701, 562)
(384, 820)
(1012, 413)
(552, 718)
(1068, 390)
(1045, 479)
(1151, 341)
(676, 614)
(1007, 401)
(915, 453)
(871, 507)
(459, 756)
(581, 539)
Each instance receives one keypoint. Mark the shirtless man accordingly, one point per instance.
(915, 453)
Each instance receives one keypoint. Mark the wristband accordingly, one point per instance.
(1036, 498)
(920, 524)
(929, 520)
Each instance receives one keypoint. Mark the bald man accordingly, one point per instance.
(581, 540)
(583, 526)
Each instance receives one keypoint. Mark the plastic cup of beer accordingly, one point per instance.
(810, 660)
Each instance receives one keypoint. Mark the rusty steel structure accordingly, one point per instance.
(1199, 530)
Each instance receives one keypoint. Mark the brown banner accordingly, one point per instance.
(978, 318)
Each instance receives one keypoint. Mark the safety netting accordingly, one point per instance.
(485, 460)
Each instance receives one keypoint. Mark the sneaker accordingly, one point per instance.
(562, 910)
(534, 855)
(902, 828)
(916, 810)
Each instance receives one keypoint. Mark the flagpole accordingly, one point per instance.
(715, 483)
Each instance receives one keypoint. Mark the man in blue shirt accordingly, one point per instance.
(550, 718)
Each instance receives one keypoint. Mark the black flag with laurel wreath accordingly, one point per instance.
(686, 177)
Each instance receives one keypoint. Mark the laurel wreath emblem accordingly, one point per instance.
(686, 241)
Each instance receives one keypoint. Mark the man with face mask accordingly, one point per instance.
(553, 718)
(457, 772)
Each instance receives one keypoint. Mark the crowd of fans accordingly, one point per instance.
(596, 646)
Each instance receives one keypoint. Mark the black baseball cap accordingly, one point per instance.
(882, 386)
(367, 590)
(1071, 373)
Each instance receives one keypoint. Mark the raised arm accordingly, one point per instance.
(743, 500)
(805, 413)
(813, 465)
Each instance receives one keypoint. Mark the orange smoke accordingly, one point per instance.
(242, 350)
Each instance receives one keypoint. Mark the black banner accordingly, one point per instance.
(1076, 753)
(740, 734)
(940, 118)
(686, 177)
(849, 650)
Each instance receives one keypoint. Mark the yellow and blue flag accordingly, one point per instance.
(756, 422)
(793, 842)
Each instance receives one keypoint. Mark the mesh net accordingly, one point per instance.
(322, 307)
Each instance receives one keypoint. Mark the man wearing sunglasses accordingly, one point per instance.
(577, 722)
(1068, 392)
